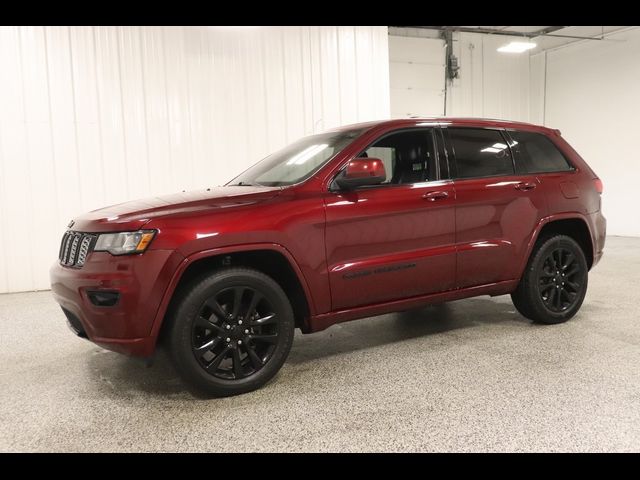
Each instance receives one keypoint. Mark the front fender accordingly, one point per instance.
(189, 260)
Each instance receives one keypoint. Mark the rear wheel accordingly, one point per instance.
(554, 283)
(231, 331)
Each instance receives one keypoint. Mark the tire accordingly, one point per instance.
(210, 323)
(554, 282)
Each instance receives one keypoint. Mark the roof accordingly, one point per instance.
(453, 121)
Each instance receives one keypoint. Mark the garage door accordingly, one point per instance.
(417, 72)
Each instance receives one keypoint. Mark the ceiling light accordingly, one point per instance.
(517, 47)
(496, 148)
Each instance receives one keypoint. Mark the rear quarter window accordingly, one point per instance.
(537, 154)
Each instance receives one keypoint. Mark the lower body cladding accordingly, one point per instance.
(113, 300)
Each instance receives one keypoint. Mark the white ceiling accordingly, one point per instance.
(513, 29)
(555, 38)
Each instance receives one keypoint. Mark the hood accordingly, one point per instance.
(136, 213)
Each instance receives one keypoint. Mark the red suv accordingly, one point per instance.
(354, 222)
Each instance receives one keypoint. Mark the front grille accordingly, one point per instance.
(75, 247)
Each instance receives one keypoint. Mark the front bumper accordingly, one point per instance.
(140, 282)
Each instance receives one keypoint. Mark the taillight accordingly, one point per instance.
(598, 184)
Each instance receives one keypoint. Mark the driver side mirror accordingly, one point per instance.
(360, 172)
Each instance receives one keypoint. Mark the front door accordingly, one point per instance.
(395, 240)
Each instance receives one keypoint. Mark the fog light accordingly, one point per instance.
(103, 299)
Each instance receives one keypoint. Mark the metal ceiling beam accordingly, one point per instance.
(545, 32)
(548, 30)
(604, 34)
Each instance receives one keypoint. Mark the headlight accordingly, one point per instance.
(124, 242)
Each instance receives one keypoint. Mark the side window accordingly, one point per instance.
(537, 154)
(407, 156)
(480, 152)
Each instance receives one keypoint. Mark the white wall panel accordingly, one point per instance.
(93, 116)
(592, 96)
(537, 79)
(491, 84)
(39, 157)
(406, 103)
(15, 168)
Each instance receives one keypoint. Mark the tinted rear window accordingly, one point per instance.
(480, 152)
(538, 154)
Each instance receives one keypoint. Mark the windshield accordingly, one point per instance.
(298, 161)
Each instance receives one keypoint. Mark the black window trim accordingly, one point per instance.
(572, 168)
(440, 139)
(431, 129)
(453, 172)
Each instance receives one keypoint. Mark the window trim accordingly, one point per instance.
(453, 172)
(521, 163)
(430, 129)
(440, 140)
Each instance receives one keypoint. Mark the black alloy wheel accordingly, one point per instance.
(235, 333)
(554, 283)
(560, 280)
(230, 331)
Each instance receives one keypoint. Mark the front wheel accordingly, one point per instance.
(231, 331)
(554, 283)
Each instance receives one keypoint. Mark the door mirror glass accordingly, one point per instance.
(360, 172)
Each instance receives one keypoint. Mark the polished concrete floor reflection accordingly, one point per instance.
(472, 375)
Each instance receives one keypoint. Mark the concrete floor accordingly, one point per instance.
(472, 375)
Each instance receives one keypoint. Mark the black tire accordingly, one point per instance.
(204, 315)
(554, 282)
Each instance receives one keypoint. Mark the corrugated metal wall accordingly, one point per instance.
(92, 116)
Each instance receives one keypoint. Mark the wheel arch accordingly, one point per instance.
(272, 259)
(572, 225)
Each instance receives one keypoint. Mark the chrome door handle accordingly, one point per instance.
(524, 186)
(433, 196)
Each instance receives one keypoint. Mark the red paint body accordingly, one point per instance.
(421, 243)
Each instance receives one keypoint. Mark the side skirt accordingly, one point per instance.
(325, 320)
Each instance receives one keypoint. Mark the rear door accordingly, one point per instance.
(497, 208)
(537, 155)
(395, 240)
